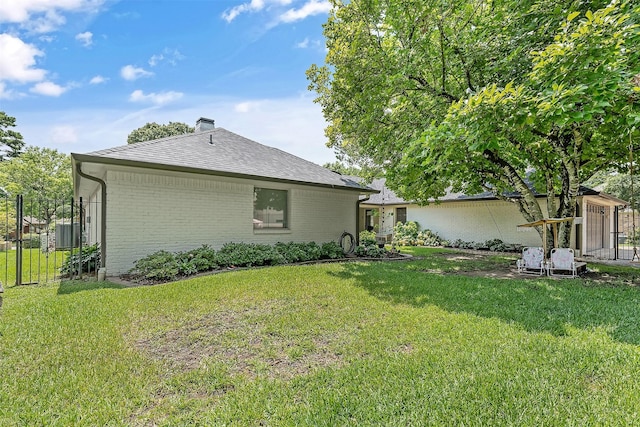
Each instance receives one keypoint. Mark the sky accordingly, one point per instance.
(80, 75)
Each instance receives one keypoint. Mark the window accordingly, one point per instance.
(401, 215)
(270, 208)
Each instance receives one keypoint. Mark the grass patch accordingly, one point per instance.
(36, 266)
(405, 343)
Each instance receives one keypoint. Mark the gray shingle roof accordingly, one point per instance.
(221, 152)
(387, 197)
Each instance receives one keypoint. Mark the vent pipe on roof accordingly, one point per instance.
(203, 124)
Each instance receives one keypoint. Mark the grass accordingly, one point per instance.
(398, 343)
(36, 266)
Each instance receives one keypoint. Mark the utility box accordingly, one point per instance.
(67, 236)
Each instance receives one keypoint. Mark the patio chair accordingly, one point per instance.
(532, 261)
(563, 263)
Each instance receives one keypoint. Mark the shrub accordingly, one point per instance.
(367, 238)
(161, 265)
(405, 234)
(331, 250)
(202, 259)
(30, 241)
(299, 252)
(89, 260)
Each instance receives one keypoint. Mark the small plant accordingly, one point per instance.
(89, 260)
(367, 238)
(161, 265)
(331, 250)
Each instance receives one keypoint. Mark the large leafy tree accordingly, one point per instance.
(153, 130)
(11, 142)
(40, 175)
(472, 95)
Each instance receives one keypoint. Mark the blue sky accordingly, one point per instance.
(79, 75)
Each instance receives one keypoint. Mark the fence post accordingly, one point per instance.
(19, 220)
(80, 238)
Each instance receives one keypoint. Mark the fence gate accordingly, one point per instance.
(39, 236)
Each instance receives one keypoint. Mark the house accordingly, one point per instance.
(208, 187)
(481, 217)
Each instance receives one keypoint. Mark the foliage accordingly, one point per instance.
(474, 96)
(409, 234)
(618, 185)
(367, 238)
(368, 246)
(11, 142)
(89, 260)
(161, 265)
(164, 266)
(494, 245)
(343, 169)
(331, 250)
(39, 174)
(31, 240)
(153, 130)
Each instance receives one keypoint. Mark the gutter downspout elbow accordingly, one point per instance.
(103, 211)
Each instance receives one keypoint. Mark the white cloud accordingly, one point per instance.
(253, 6)
(17, 60)
(303, 44)
(155, 98)
(43, 15)
(96, 80)
(246, 107)
(64, 135)
(129, 72)
(85, 38)
(48, 89)
(172, 56)
(313, 7)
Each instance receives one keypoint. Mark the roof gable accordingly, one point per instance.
(221, 152)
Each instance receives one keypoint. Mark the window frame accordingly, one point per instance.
(285, 212)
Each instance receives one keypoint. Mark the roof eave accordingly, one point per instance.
(174, 168)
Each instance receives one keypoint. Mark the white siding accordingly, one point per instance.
(475, 221)
(149, 211)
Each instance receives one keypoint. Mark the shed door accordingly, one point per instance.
(597, 227)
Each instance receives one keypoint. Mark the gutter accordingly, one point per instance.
(103, 208)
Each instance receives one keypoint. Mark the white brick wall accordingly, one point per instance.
(475, 221)
(150, 210)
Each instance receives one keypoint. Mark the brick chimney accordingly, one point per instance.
(203, 124)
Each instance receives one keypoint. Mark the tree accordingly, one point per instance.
(39, 175)
(472, 95)
(11, 142)
(153, 130)
(343, 169)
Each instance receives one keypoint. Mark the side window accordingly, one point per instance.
(270, 208)
(401, 215)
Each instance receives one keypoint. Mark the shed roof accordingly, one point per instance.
(221, 152)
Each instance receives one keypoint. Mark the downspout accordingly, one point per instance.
(357, 234)
(103, 209)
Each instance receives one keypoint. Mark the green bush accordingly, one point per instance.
(367, 238)
(331, 250)
(247, 255)
(30, 241)
(200, 259)
(161, 265)
(89, 261)
(409, 234)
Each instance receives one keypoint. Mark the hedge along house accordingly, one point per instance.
(208, 187)
(482, 217)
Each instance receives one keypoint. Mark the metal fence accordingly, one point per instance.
(612, 239)
(44, 240)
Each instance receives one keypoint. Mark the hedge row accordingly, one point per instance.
(164, 266)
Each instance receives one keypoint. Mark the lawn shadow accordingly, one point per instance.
(72, 286)
(540, 304)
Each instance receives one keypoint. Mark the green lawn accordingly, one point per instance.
(36, 266)
(396, 343)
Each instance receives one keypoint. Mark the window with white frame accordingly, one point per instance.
(270, 208)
